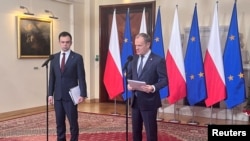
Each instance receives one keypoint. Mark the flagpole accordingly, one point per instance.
(192, 121)
(232, 111)
(175, 120)
(128, 101)
(158, 116)
(210, 119)
(115, 109)
(113, 79)
(127, 113)
(127, 107)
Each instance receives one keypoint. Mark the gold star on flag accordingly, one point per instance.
(192, 38)
(230, 78)
(201, 74)
(241, 75)
(157, 39)
(192, 77)
(125, 40)
(232, 37)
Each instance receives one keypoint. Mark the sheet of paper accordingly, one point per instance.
(136, 84)
(75, 94)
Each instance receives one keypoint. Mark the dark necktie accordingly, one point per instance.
(140, 66)
(63, 62)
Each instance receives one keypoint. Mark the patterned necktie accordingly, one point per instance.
(140, 66)
(63, 62)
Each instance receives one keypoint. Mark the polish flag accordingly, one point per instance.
(213, 66)
(113, 80)
(175, 64)
(143, 27)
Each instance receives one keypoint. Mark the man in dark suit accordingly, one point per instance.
(66, 71)
(146, 101)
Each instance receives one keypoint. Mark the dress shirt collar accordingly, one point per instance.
(66, 52)
(146, 55)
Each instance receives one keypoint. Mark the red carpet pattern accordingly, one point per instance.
(93, 127)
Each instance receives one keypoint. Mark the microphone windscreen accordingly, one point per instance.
(51, 57)
(130, 58)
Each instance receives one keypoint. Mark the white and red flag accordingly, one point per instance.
(213, 65)
(143, 27)
(175, 64)
(113, 79)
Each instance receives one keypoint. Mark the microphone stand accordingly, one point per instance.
(47, 106)
(47, 89)
(127, 104)
(130, 58)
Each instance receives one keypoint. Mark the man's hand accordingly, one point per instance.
(81, 99)
(148, 88)
(130, 88)
(50, 100)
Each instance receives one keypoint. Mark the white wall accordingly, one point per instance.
(24, 87)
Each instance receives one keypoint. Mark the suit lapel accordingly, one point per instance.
(57, 61)
(134, 67)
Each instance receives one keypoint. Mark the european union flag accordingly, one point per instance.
(234, 77)
(195, 78)
(158, 47)
(127, 50)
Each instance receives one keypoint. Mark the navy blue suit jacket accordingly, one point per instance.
(61, 82)
(153, 73)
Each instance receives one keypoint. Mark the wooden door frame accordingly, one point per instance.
(106, 15)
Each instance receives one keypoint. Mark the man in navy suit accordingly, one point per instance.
(65, 73)
(146, 101)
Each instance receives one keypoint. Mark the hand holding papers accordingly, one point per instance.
(75, 94)
(137, 85)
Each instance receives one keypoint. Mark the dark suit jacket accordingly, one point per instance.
(73, 75)
(153, 73)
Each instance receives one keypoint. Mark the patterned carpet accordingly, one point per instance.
(94, 127)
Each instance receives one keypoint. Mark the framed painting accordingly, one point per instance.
(34, 37)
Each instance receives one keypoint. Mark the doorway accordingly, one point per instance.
(106, 15)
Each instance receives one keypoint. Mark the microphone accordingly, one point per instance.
(47, 61)
(129, 59)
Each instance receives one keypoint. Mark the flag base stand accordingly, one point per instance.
(128, 113)
(210, 122)
(115, 112)
(158, 117)
(192, 121)
(175, 120)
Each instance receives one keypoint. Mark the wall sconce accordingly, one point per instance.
(52, 15)
(27, 10)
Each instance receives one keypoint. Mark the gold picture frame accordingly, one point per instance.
(34, 37)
